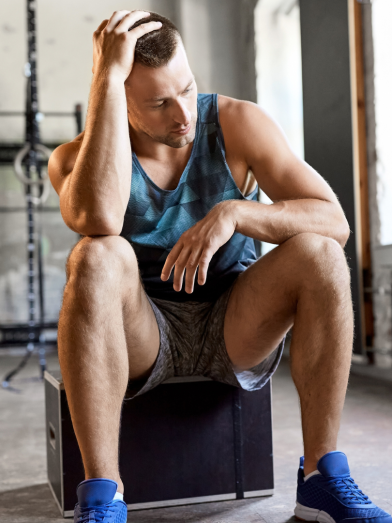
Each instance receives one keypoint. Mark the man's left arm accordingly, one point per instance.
(302, 200)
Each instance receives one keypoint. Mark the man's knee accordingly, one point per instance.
(102, 259)
(320, 260)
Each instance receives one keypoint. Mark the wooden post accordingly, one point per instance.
(360, 163)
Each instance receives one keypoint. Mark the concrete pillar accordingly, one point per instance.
(219, 39)
(328, 136)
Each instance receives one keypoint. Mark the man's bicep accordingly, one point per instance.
(280, 173)
(291, 179)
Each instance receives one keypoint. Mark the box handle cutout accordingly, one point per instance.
(52, 435)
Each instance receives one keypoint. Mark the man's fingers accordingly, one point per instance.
(190, 270)
(142, 29)
(184, 259)
(102, 26)
(179, 269)
(170, 261)
(204, 263)
(116, 17)
(129, 19)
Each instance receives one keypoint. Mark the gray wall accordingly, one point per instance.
(327, 115)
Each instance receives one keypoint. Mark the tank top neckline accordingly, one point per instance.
(200, 121)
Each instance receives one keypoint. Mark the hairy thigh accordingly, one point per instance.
(103, 277)
(263, 302)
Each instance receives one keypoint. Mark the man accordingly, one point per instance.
(164, 181)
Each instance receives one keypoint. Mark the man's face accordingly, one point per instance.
(162, 102)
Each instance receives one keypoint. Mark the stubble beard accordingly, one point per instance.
(171, 140)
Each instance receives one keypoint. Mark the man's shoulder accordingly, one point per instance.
(239, 111)
(230, 108)
(245, 126)
(240, 120)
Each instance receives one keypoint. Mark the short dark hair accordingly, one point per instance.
(156, 48)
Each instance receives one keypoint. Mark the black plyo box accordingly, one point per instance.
(189, 440)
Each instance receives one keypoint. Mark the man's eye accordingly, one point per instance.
(158, 106)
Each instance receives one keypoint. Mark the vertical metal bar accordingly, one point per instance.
(78, 118)
(41, 278)
(32, 167)
(42, 340)
(32, 137)
(238, 444)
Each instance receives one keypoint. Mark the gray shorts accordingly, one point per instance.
(192, 344)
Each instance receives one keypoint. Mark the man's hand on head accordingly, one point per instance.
(197, 245)
(114, 42)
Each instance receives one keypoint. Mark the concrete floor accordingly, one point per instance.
(365, 436)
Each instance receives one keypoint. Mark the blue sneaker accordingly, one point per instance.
(333, 497)
(96, 503)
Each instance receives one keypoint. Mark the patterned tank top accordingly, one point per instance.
(155, 218)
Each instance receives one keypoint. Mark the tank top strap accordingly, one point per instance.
(208, 114)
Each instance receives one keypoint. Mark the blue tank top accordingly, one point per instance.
(155, 218)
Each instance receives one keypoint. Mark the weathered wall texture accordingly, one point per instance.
(382, 268)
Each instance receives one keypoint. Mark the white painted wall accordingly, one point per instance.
(279, 72)
(382, 36)
(279, 67)
(64, 45)
(12, 59)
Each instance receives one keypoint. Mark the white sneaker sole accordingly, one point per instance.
(312, 514)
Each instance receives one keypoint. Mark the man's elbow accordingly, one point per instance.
(88, 225)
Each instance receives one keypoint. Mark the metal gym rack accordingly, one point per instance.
(29, 162)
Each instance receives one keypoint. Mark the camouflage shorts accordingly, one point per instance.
(192, 344)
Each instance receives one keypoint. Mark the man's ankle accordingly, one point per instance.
(309, 467)
(95, 492)
(311, 460)
(116, 478)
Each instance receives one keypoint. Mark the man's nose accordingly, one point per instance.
(181, 114)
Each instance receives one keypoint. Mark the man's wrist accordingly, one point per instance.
(248, 217)
(110, 78)
(232, 210)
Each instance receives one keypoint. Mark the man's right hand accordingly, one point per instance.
(114, 43)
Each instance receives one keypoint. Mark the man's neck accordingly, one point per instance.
(147, 148)
(162, 163)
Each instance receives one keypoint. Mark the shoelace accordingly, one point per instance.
(349, 491)
(96, 514)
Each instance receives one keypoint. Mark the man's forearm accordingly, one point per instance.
(100, 182)
(282, 220)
